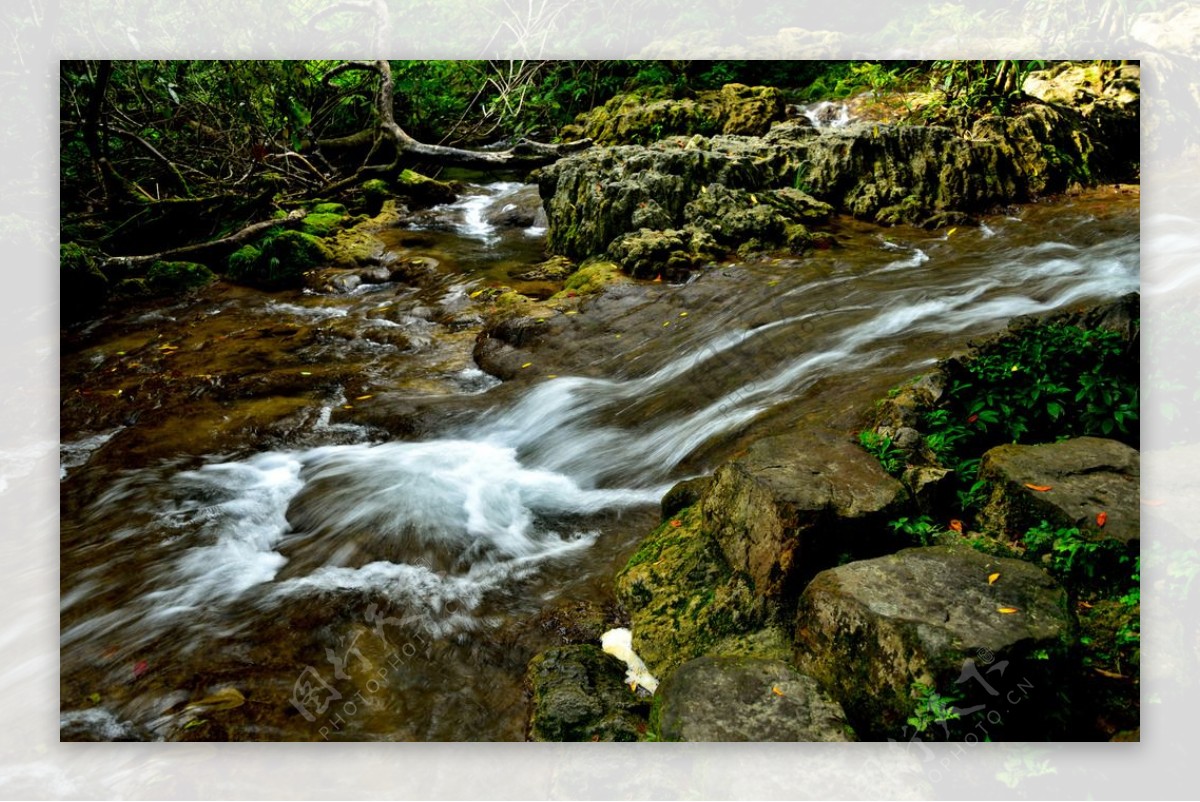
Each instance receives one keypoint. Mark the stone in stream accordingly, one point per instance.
(1086, 476)
(761, 188)
(882, 635)
(682, 596)
(747, 699)
(793, 504)
(579, 694)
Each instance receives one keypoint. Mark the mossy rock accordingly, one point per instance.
(374, 193)
(83, 286)
(280, 262)
(682, 596)
(322, 224)
(166, 278)
(423, 190)
(328, 208)
(593, 277)
(579, 694)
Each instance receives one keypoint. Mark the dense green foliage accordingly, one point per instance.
(1039, 385)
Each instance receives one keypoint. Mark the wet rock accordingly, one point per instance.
(747, 699)
(418, 270)
(794, 503)
(682, 596)
(670, 254)
(579, 694)
(592, 277)
(344, 283)
(684, 494)
(519, 211)
(556, 268)
(576, 622)
(869, 630)
(421, 191)
(1086, 476)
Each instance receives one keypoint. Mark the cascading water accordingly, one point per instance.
(479, 526)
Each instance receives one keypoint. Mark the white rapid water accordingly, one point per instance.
(438, 525)
(469, 214)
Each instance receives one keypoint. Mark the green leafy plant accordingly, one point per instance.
(921, 530)
(931, 707)
(890, 457)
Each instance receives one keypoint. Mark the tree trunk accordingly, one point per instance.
(523, 154)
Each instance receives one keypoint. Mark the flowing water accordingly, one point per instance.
(319, 500)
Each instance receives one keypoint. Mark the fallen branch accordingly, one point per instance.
(524, 153)
(129, 264)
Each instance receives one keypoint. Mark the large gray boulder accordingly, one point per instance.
(796, 503)
(1086, 476)
(876, 632)
(747, 699)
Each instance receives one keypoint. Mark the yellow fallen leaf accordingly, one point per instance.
(775, 690)
(571, 312)
(951, 231)
(363, 397)
(993, 577)
(527, 364)
(551, 375)
(347, 406)
(668, 323)
(683, 314)
(754, 200)
(223, 699)
(1006, 609)
(476, 294)
(306, 373)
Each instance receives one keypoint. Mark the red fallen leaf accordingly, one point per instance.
(676, 522)
(139, 668)
(956, 525)
(972, 419)
(1101, 519)
(1038, 488)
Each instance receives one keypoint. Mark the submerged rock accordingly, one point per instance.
(747, 699)
(1085, 476)
(795, 503)
(882, 635)
(579, 694)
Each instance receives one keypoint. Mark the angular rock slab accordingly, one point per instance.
(747, 699)
(579, 694)
(869, 630)
(1086, 476)
(794, 503)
